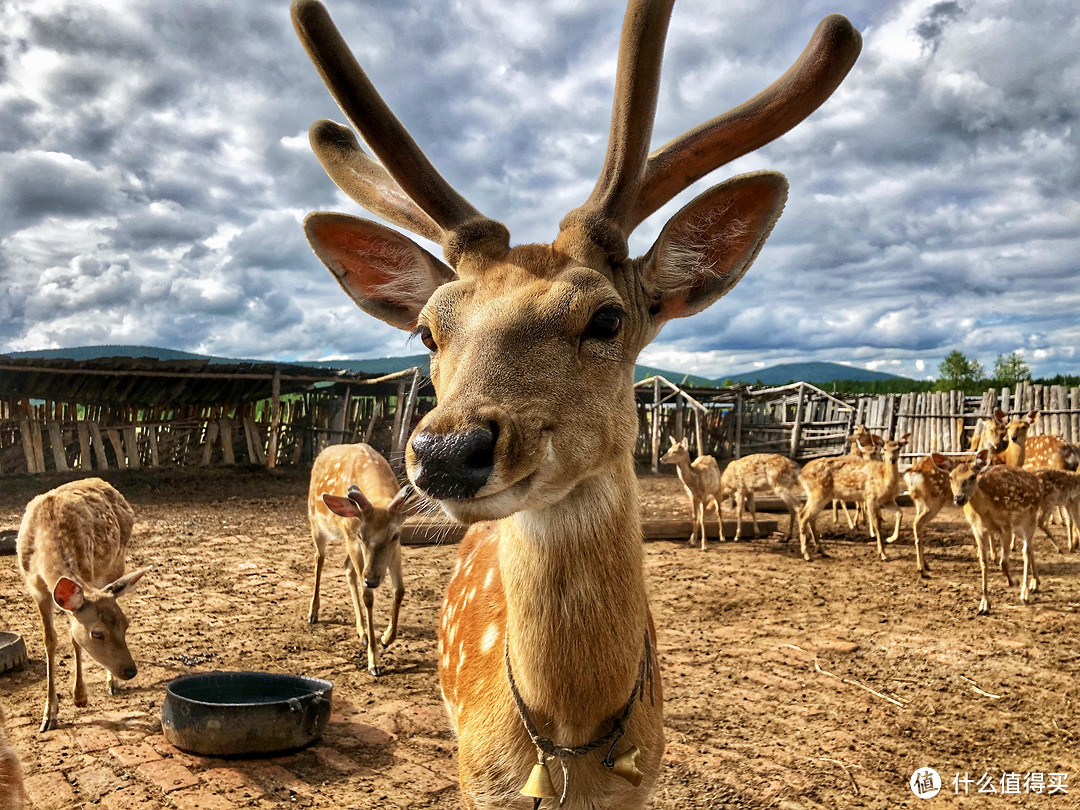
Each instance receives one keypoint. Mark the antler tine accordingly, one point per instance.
(820, 68)
(366, 181)
(637, 82)
(462, 225)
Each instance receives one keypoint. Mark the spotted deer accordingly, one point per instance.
(873, 483)
(367, 520)
(701, 480)
(762, 474)
(864, 445)
(72, 550)
(12, 789)
(1051, 452)
(546, 644)
(1060, 490)
(999, 501)
(929, 488)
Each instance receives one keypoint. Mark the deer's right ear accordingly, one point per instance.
(941, 462)
(68, 594)
(709, 245)
(388, 275)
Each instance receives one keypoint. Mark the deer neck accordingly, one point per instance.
(576, 609)
(687, 474)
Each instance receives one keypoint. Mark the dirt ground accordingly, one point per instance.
(787, 684)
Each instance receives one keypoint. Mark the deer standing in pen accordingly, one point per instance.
(873, 483)
(929, 488)
(762, 474)
(866, 446)
(1016, 431)
(701, 480)
(72, 549)
(999, 501)
(367, 519)
(546, 643)
(1060, 491)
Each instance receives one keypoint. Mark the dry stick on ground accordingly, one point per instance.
(977, 689)
(843, 767)
(894, 701)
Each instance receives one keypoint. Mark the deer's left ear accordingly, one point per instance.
(709, 245)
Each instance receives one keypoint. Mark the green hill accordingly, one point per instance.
(816, 373)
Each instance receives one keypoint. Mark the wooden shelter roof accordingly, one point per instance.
(144, 381)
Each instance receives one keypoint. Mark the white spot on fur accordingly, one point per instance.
(489, 578)
(491, 635)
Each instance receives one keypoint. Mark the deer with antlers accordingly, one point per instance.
(547, 645)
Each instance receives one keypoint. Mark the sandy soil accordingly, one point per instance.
(788, 684)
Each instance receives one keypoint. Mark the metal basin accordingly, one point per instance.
(243, 713)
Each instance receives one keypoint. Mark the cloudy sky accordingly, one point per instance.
(154, 170)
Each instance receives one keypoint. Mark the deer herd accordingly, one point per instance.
(547, 649)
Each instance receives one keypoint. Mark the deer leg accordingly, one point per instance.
(358, 611)
(873, 518)
(753, 514)
(701, 523)
(919, 523)
(984, 550)
(896, 527)
(851, 521)
(719, 519)
(372, 648)
(390, 633)
(319, 540)
(793, 511)
(1044, 524)
(693, 519)
(740, 505)
(1030, 582)
(45, 609)
(1005, 549)
(78, 685)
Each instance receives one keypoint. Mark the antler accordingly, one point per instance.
(408, 175)
(632, 186)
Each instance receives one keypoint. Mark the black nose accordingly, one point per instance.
(129, 673)
(960, 500)
(455, 465)
(372, 582)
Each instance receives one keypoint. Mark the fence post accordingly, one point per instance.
(656, 426)
(275, 420)
(796, 430)
(740, 402)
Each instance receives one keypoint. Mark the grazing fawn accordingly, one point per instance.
(547, 646)
(873, 483)
(701, 480)
(763, 474)
(12, 790)
(72, 549)
(929, 487)
(367, 518)
(1060, 490)
(999, 501)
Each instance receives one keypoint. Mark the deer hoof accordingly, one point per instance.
(375, 670)
(47, 724)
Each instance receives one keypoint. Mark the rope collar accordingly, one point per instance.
(546, 747)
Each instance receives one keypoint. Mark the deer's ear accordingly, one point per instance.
(388, 275)
(68, 594)
(709, 245)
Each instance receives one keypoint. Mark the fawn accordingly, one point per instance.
(367, 518)
(874, 483)
(999, 501)
(701, 480)
(72, 550)
(760, 473)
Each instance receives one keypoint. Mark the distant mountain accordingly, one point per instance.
(370, 365)
(806, 372)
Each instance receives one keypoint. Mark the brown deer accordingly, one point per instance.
(929, 487)
(367, 520)
(1017, 433)
(547, 646)
(864, 445)
(873, 483)
(999, 501)
(701, 480)
(12, 789)
(763, 474)
(1060, 490)
(1051, 452)
(72, 549)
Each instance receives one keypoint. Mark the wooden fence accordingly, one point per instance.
(803, 422)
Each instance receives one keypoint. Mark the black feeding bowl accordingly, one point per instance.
(240, 713)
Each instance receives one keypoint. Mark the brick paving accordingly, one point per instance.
(106, 764)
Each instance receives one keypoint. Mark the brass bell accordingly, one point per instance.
(626, 765)
(539, 785)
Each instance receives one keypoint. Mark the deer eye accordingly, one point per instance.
(427, 338)
(97, 634)
(605, 323)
